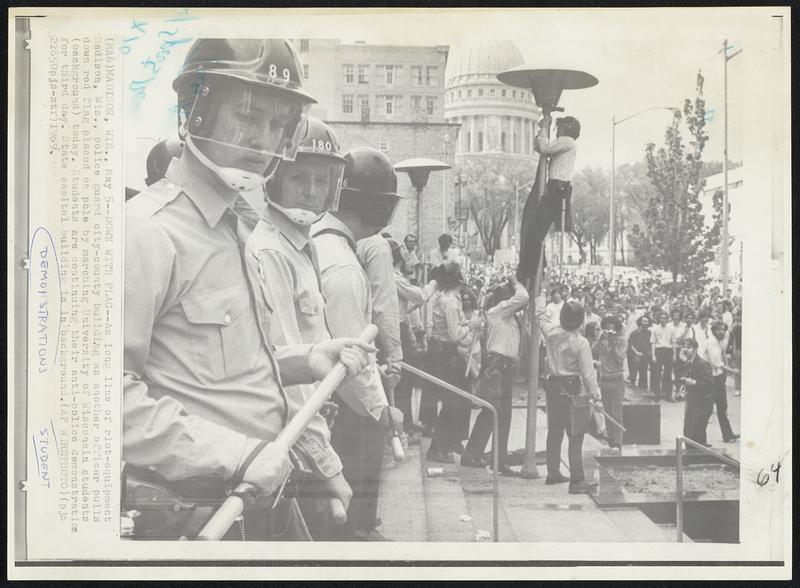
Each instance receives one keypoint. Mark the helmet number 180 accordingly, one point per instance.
(320, 145)
(273, 72)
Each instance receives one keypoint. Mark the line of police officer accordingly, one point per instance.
(234, 308)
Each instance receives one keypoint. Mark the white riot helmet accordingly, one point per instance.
(309, 186)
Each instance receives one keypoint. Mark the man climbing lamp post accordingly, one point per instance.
(546, 86)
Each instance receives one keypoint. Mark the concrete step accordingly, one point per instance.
(401, 502)
(478, 491)
(670, 531)
(448, 516)
(637, 527)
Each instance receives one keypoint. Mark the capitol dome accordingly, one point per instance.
(481, 59)
(494, 117)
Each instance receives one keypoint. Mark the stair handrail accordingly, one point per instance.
(495, 436)
(680, 442)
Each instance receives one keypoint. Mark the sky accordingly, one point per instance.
(643, 58)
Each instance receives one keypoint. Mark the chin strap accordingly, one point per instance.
(299, 216)
(237, 179)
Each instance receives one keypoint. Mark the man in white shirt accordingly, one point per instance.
(538, 216)
(553, 308)
(444, 252)
(663, 345)
(713, 351)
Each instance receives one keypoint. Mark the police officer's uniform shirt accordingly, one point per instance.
(285, 262)
(348, 306)
(568, 352)
(375, 257)
(199, 378)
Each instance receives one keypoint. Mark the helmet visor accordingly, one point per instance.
(246, 123)
(310, 182)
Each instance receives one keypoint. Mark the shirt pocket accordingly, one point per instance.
(309, 303)
(224, 339)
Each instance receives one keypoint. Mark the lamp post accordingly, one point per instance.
(546, 86)
(611, 215)
(418, 170)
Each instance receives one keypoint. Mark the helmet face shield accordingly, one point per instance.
(311, 182)
(246, 123)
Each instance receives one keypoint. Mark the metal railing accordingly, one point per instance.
(495, 437)
(680, 442)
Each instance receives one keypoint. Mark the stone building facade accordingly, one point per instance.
(403, 141)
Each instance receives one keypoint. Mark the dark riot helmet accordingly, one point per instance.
(369, 187)
(159, 157)
(572, 315)
(569, 126)
(239, 73)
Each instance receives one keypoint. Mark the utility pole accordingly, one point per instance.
(724, 253)
(611, 240)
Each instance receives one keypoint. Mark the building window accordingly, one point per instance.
(416, 103)
(383, 145)
(430, 104)
(389, 75)
(480, 92)
(363, 101)
(502, 141)
(348, 74)
(513, 93)
(503, 93)
(303, 45)
(430, 75)
(480, 140)
(388, 105)
(347, 104)
(467, 146)
(459, 93)
(305, 71)
(469, 93)
(416, 75)
(363, 71)
(491, 92)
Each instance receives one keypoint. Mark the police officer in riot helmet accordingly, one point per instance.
(298, 194)
(304, 189)
(203, 396)
(368, 200)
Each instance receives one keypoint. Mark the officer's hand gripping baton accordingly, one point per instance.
(232, 508)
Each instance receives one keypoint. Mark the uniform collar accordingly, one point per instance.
(208, 193)
(287, 228)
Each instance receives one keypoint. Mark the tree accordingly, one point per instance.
(673, 235)
(590, 193)
(632, 194)
(486, 188)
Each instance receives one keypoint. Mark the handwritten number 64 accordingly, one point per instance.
(762, 479)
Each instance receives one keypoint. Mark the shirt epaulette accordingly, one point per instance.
(157, 196)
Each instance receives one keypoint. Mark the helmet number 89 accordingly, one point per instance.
(273, 72)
